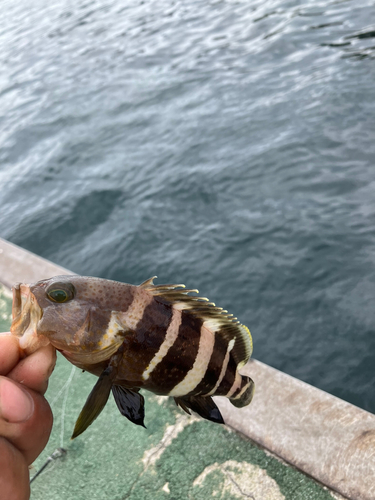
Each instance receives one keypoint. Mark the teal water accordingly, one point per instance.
(228, 145)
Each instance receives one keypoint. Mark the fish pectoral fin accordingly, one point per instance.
(130, 403)
(95, 403)
(204, 406)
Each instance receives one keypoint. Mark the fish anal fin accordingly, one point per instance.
(203, 405)
(130, 403)
(95, 403)
(179, 402)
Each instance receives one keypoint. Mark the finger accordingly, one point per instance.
(9, 352)
(25, 418)
(35, 370)
(14, 473)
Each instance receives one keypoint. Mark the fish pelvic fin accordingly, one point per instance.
(95, 403)
(203, 405)
(130, 403)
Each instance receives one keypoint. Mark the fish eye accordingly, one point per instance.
(61, 292)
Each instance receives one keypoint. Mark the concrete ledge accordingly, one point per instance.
(325, 437)
(18, 265)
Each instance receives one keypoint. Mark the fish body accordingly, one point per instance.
(154, 337)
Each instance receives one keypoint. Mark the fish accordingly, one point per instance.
(161, 338)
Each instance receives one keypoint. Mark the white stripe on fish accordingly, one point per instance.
(170, 338)
(197, 372)
(223, 368)
(134, 314)
(236, 385)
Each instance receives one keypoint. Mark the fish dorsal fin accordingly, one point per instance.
(147, 283)
(217, 319)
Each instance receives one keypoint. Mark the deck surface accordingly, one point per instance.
(177, 457)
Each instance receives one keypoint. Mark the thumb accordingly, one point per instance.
(16, 406)
(14, 473)
(25, 418)
(16, 403)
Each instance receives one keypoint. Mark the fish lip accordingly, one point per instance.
(17, 301)
(26, 314)
(20, 309)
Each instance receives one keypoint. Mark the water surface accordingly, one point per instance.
(228, 145)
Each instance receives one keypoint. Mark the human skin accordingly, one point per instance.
(25, 415)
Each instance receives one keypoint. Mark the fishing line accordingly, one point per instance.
(58, 453)
(68, 382)
(61, 451)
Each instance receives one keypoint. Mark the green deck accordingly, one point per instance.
(177, 457)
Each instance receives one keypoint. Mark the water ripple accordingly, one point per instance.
(228, 145)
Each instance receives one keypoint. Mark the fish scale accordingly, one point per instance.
(154, 337)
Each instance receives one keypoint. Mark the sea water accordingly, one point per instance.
(228, 145)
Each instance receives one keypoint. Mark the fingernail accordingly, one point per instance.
(16, 405)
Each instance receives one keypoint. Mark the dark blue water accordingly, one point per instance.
(228, 145)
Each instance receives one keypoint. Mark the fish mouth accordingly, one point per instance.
(26, 315)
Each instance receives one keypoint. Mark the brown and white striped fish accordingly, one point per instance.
(154, 337)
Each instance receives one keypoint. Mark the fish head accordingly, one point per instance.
(70, 312)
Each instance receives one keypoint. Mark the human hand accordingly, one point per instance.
(25, 415)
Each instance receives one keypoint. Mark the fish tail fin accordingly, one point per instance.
(203, 405)
(244, 394)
